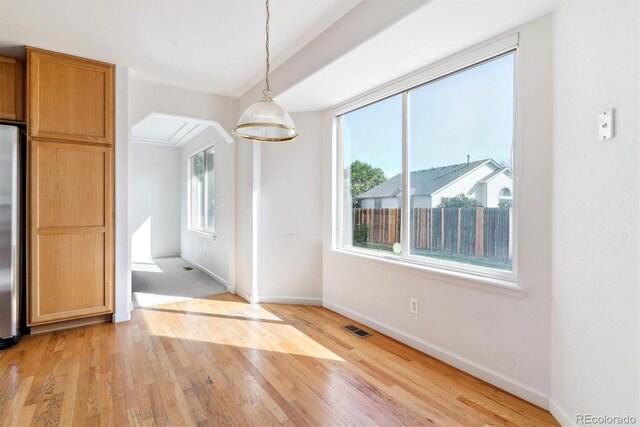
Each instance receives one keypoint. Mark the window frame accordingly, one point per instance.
(190, 227)
(441, 69)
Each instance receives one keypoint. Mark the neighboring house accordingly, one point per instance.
(483, 180)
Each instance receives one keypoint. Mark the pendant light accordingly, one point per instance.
(266, 121)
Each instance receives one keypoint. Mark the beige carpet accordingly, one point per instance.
(165, 280)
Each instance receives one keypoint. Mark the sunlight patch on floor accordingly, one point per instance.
(225, 308)
(144, 299)
(148, 267)
(243, 333)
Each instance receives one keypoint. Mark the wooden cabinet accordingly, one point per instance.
(70, 98)
(71, 188)
(11, 89)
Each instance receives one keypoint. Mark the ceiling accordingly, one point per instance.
(214, 46)
(217, 46)
(436, 30)
(173, 131)
(167, 130)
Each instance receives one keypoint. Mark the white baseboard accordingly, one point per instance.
(121, 317)
(560, 414)
(504, 382)
(291, 300)
(246, 296)
(208, 272)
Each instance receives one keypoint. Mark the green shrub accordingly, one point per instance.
(504, 203)
(361, 233)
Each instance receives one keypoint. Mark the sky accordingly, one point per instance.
(467, 113)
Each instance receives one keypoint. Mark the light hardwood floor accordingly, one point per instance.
(225, 362)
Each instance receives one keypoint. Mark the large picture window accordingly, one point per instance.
(202, 191)
(426, 174)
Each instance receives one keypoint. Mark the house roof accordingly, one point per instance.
(424, 182)
(495, 173)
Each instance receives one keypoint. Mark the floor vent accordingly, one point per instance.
(360, 333)
(188, 268)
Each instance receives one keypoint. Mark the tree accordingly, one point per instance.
(364, 177)
(459, 201)
(198, 166)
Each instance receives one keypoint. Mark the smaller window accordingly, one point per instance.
(505, 199)
(202, 191)
(377, 203)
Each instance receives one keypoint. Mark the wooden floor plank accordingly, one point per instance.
(220, 361)
(13, 414)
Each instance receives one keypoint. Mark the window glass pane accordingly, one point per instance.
(197, 191)
(210, 190)
(372, 144)
(461, 135)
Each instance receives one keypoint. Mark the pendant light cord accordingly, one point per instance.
(267, 90)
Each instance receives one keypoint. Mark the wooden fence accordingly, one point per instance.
(472, 232)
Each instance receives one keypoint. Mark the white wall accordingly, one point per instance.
(499, 336)
(596, 246)
(122, 237)
(147, 97)
(210, 253)
(280, 215)
(246, 206)
(248, 176)
(154, 186)
(291, 216)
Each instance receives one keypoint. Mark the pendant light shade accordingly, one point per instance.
(266, 121)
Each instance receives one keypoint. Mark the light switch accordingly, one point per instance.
(605, 124)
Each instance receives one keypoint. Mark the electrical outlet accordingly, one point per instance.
(205, 252)
(413, 305)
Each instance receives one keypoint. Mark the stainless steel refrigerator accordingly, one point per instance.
(10, 236)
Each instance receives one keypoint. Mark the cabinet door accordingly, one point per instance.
(70, 98)
(71, 230)
(11, 89)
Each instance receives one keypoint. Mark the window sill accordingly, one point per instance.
(203, 233)
(477, 281)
